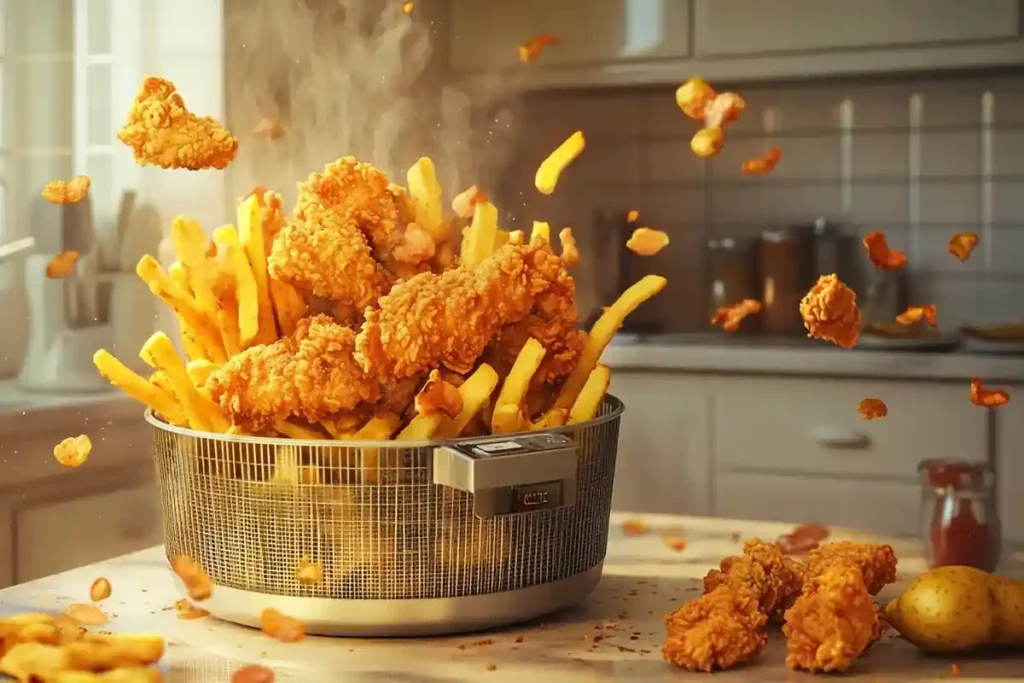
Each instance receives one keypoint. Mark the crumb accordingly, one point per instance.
(492, 667)
(519, 639)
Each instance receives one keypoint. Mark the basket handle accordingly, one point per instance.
(511, 475)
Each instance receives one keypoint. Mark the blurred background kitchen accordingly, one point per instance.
(904, 116)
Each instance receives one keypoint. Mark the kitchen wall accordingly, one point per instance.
(919, 159)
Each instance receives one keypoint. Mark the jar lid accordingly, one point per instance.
(728, 243)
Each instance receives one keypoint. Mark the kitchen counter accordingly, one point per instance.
(721, 354)
(614, 636)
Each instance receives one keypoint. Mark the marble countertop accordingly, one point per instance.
(705, 353)
(614, 636)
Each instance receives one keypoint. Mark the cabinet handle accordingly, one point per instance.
(837, 437)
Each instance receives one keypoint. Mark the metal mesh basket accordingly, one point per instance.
(414, 538)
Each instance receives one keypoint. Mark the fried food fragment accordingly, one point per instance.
(987, 398)
(464, 202)
(534, 46)
(633, 216)
(730, 317)
(955, 669)
(882, 257)
(438, 396)
(676, 543)
(99, 590)
(197, 581)
(309, 572)
(647, 241)
(694, 96)
(104, 652)
(277, 625)
(62, 265)
(725, 108)
(162, 132)
(269, 129)
(570, 254)
(762, 164)
(634, 527)
(962, 244)
(830, 312)
(772, 578)
(707, 141)
(87, 615)
(73, 451)
(914, 314)
(803, 538)
(187, 611)
(67, 191)
(551, 168)
(254, 673)
(718, 630)
(872, 408)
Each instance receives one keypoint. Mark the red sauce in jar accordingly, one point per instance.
(957, 534)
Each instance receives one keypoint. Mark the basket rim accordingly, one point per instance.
(617, 408)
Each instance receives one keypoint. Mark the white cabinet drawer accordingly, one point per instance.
(1009, 426)
(885, 507)
(56, 536)
(812, 426)
(748, 27)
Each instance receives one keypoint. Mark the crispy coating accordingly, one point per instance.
(833, 621)
(310, 374)
(876, 562)
(774, 579)
(720, 629)
(162, 132)
(830, 312)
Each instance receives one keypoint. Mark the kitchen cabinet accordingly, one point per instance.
(628, 42)
(1009, 440)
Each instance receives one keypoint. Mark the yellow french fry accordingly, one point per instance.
(426, 196)
(192, 247)
(159, 353)
(481, 235)
(591, 396)
(199, 371)
(508, 416)
(250, 233)
(551, 168)
(476, 389)
(246, 290)
(118, 374)
(541, 232)
(475, 392)
(193, 349)
(289, 306)
(294, 431)
(501, 238)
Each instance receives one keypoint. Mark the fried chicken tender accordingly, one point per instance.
(311, 374)
(720, 629)
(774, 579)
(450, 318)
(830, 312)
(876, 562)
(162, 132)
(833, 621)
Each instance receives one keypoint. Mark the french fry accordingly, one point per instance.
(118, 374)
(501, 238)
(193, 350)
(425, 427)
(516, 237)
(199, 371)
(426, 197)
(551, 168)
(541, 231)
(294, 431)
(192, 247)
(380, 427)
(227, 314)
(289, 306)
(475, 392)
(202, 413)
(246, 290)
(597, 340)
(508, 411)
(591, 396)
(250, 233)
(481, 235)
(160, 380)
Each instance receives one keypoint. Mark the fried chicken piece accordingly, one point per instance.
(830, 312)
(720, 629)
(876, 562)
(774, 579)
(833, 621)
(67, 191)
(162, 132)
(450, 318)
(438, 396)
(310, 374)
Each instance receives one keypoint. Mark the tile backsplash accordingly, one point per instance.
(919, 159)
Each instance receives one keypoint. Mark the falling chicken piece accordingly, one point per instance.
(730, 317)
(464, 203)
(915, 314)
(762, 164)
(197, 581)
(724, 109)
(647, 241)
(829, 311)
(277, 625)
(255, 673)
(67, 191)
(269, 129)
(187, 611)
(634, 527)
(633, 216)
(570, 254)
(882, 257)
(551, 168)
(531, 49)
(99, 590)
(872, 408)
(802, 539)
(308, 572)
(676, 543)
(694, 96)
(962, 244)
(87, 615)
(987, 398)
(73, 451)
(707, 141)
(62, 265)
(438, 396)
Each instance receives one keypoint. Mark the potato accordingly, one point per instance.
(1009, 597)
(948, 609)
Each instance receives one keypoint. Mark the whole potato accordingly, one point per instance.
(1009, 597)
(946, 610)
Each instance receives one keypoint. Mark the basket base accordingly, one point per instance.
(404, 618)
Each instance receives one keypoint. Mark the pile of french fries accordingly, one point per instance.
(226, 301)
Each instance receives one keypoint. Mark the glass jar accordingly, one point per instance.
(959, 518)
(731, 268)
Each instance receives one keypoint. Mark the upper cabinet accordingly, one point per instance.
(609, 42)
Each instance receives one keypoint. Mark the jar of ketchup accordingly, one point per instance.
(961, 526)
